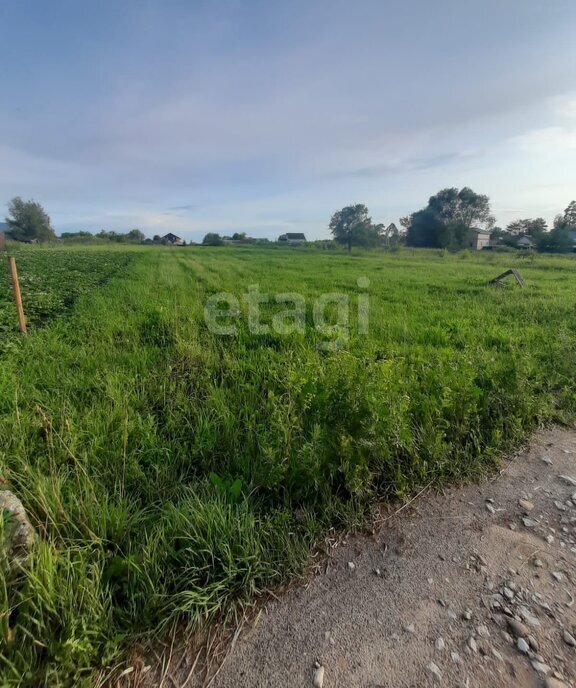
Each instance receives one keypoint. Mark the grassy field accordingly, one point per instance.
(172, 471)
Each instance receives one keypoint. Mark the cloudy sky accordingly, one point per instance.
(266, 115)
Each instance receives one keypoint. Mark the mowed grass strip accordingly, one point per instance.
(172, 472)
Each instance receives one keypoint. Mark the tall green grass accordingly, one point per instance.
(113, 419)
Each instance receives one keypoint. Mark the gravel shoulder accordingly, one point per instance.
(472, 587)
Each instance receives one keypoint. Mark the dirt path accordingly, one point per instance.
(429, 599)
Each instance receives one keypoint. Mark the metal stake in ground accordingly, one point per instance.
(15, 285)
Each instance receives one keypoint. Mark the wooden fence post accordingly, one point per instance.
(17, 295)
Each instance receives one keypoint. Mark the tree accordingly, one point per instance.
(447, 220)
(212, 239)
(570, 214)
(28, 221)
(502, 237)
(529, 227)
(556, 241)
(239, 236)
(424, 229)
(392, 234)
(561, 238)
(136, 235)
(352, 226)
(533, 228)
(464, 207)
(78, 237)
(110, 236)
(568, 220)
(405, 222)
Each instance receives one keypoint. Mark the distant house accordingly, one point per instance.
(525, 242)
(480, 238)
(293, 238)
(572, 233)
(173, 240)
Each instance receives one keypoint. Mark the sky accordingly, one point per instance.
(267, 116)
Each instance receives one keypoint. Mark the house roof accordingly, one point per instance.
(295, 235)
(480, 231)
(171, 237)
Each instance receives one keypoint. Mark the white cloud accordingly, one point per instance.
(548, 141)
(565, 106)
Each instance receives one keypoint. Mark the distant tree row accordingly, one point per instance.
(560, 239)
(28, 222)
(449, 221)
(214, 239)
(134, 236)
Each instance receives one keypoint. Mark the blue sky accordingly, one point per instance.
(266, 117)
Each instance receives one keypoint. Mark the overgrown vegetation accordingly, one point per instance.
(172, 472)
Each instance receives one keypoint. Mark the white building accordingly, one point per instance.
(480, 238)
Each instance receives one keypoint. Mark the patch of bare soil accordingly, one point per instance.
(474, 587)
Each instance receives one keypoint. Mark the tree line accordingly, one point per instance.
(448, 221)
(27, 221)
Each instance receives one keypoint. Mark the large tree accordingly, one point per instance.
(556, 241)
(463, 206)
(28, 221)
(561, 238)
(136, 235)
(448, 218)
(568, 219)
(212, 239)
(352, 226)
(424, 229)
